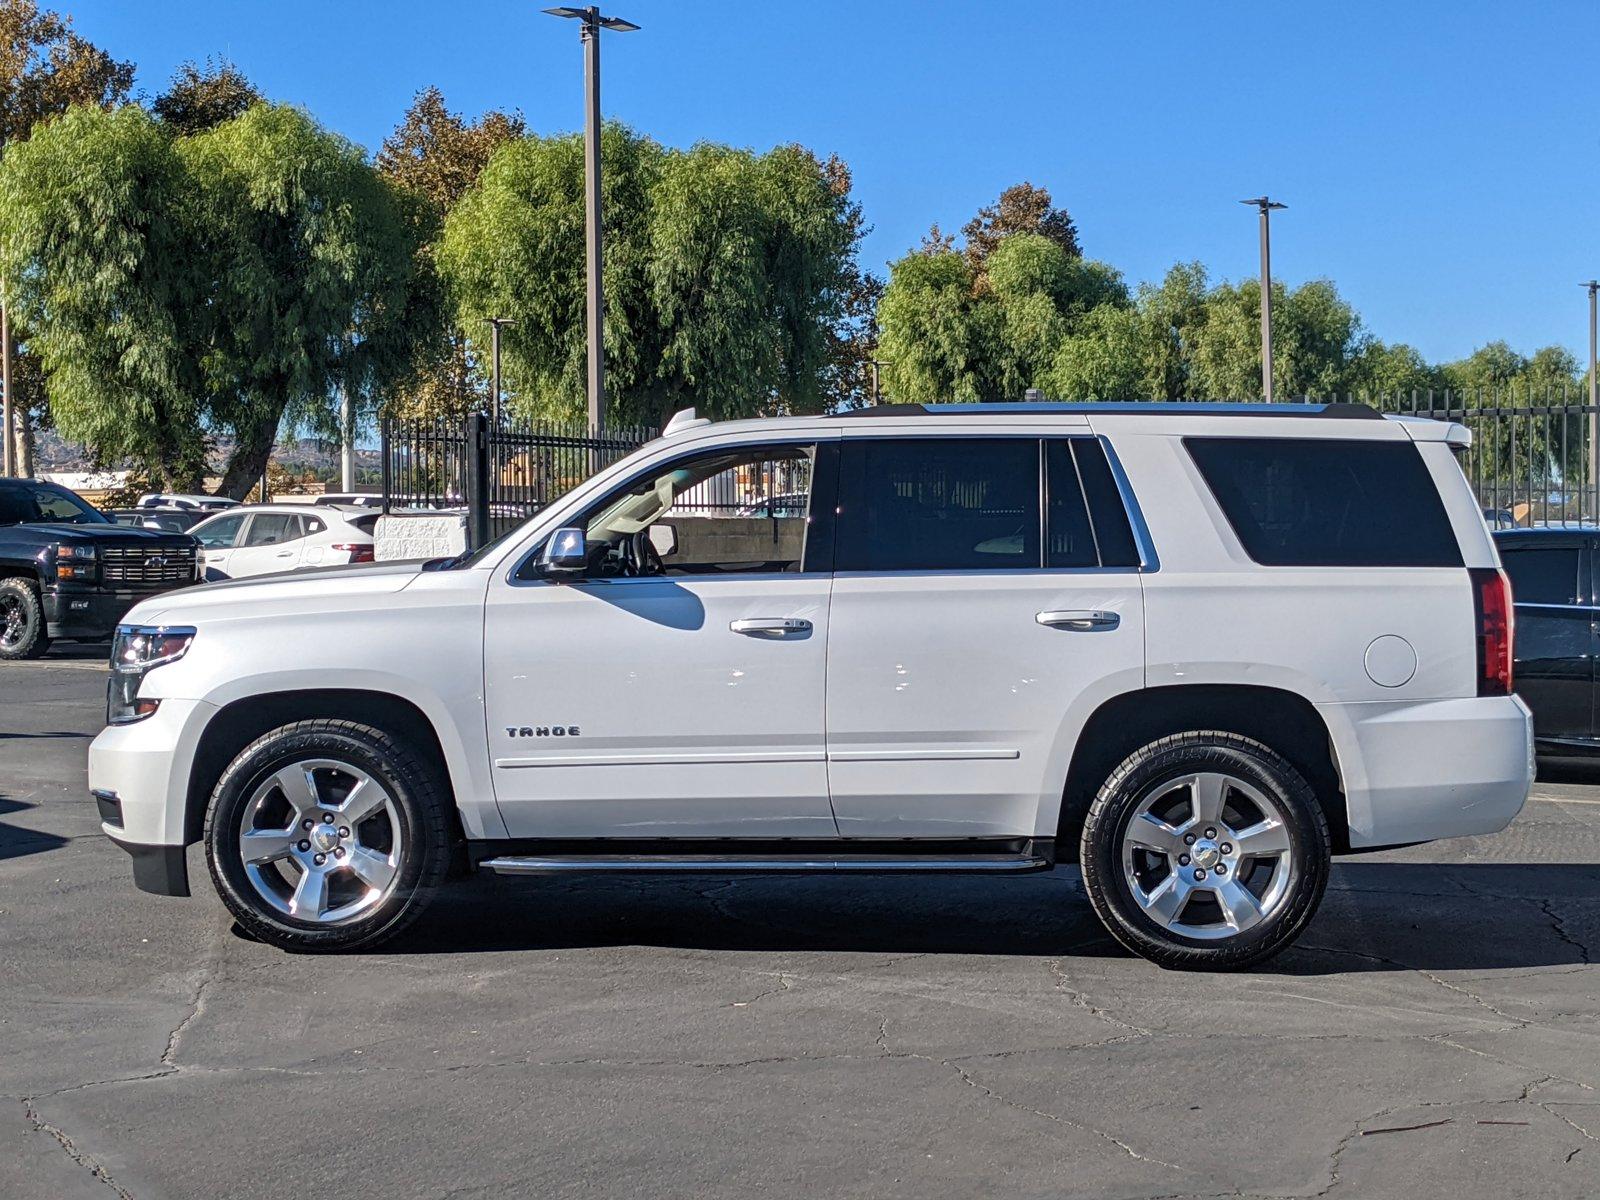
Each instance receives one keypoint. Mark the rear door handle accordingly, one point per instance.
(1082, 619)
(758, 626)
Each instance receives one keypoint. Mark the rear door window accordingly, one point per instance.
(938, 504)
(1321, 502)
(269, 529)
(1542, 574)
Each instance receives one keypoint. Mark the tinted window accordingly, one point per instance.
(314, 525)
(1547, 575)
(366, 522)
(43, 502)
(220, 534)
(1111, 530)
(931, 504)
(1316, 502)
(1069, 539)
(268, 529)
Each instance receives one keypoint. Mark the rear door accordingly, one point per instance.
(1555, 632)
(974, 602)
(272, 542)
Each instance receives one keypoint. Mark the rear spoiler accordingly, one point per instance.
(1426, 429)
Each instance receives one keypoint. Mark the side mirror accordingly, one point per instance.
(566, 554)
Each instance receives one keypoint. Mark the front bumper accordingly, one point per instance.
(139, 775)
(1439, 769)
(87, 614)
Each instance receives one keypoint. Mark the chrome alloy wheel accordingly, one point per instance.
(1207, 855)
(321, 841)
(13, 622)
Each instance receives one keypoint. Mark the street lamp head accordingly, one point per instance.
(1263, 203)
(591, 16)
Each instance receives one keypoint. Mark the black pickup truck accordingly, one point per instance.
(68, 571)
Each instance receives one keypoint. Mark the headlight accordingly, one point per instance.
(135, 651)
(74, 561)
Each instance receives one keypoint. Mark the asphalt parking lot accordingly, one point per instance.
(1436, 1033)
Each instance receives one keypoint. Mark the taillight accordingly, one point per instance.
(359, 551)
(1491, 602)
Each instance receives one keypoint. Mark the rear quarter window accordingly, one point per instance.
(1320, 502)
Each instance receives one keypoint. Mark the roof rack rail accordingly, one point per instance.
(885, 410)
(1196, 408)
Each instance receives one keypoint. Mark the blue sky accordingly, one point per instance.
(1439, 159)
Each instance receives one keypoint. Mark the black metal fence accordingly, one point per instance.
(1533, 458)
(499, 476)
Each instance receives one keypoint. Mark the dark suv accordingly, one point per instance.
(68, 571)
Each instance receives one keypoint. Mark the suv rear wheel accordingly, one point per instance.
(22, 628)
(327, 835)
(1205, 850)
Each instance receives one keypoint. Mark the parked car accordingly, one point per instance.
(1198, 648)
(67, 571)
(356, 499)
(258, 539)
(202, 503)
(1553, 587)
(785, 504)
(1499, 518)
(172, 520)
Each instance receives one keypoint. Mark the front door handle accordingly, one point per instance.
(1081, 619)
(776, 626)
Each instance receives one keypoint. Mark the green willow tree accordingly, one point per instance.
(186, 291)
(730, 280)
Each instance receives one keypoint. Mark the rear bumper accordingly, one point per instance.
(1439, 769)
(88, 614)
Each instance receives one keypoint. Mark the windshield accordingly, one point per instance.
(25, 502)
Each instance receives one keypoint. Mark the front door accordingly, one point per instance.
(677, 690)
(1555, 633)
(218, 537)
(972, 608)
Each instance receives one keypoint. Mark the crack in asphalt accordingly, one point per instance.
(1081, 1000)
(71, 1150)
(1559, 925)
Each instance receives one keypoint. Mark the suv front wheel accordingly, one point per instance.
(1205, 850)
(327, 835)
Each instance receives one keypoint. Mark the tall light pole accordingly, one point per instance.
(593, 23)
(494, 404)
(1266, 206)
(1594, 404)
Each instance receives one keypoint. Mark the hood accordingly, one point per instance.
(319, 589)
(124, 535)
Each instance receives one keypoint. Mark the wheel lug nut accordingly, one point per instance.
(1199, 875)
(1210, 833)
(1188, 839)
(320, 859)
(327, 818)
(1226, 848)
(305, 845)
(1221, 869)
(1183, 860)
(338, 851)
(307, 823)
(344, 831)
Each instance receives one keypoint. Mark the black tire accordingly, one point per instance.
(1139, 776)
(23, 632)
(419, 800)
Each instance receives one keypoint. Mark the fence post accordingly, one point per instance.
(477, 481)
(383, 453)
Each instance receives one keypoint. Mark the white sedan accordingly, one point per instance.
(258, 539)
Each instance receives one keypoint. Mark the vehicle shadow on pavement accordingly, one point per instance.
(1377, 916)
(16, 842)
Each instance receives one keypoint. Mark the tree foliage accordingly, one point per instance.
(434, 156)
(730, 277)
(201, 98)
(186, 288)
(1021, 208)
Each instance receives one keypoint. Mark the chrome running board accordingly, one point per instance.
(700, 864)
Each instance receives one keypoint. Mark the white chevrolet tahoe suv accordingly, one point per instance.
(1198, 649)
